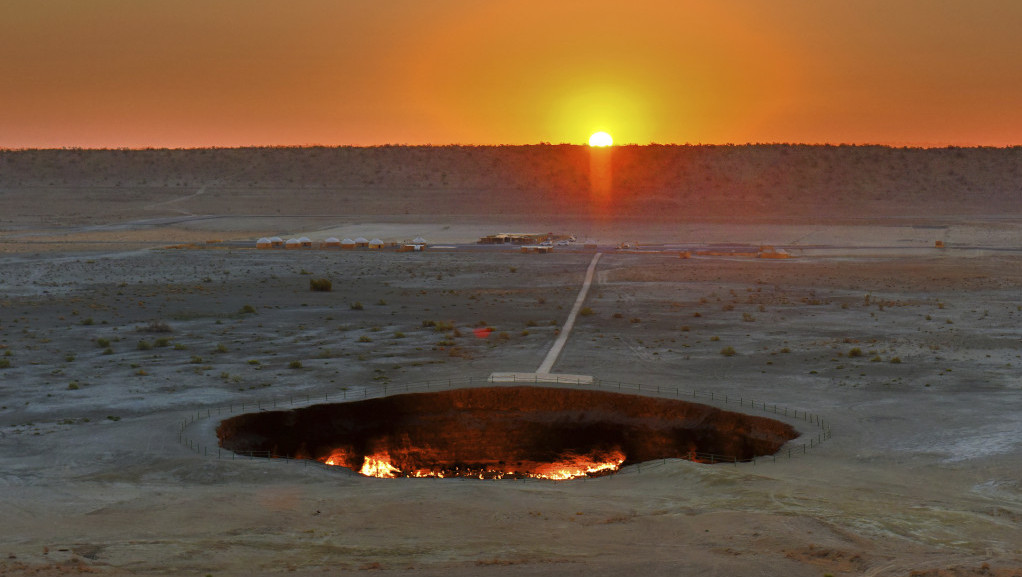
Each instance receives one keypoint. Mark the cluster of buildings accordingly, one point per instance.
(275, 242)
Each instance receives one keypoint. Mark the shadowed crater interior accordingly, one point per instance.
(500, 432)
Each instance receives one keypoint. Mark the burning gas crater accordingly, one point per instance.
(503, 432)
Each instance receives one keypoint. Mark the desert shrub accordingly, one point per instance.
(728, 351)
(785, 350)
(179, 347)
(69, 358)
(714, 338)
(399, 335)
(896, 360)
(875, 359)
(108, 351)
(586, 311)
(220, 348)
(356, 306)
(72, 386)
(696, 314)
(144, 345)
(162, 342)
(5, 363)
(503, 336)
(441, 326)
(295, 364)
(685, 329)
(320, 285)
(247, 310)
(748, 318)
(253, 361)
(381, 303)
(87, 321)
(102, 343)
(855, 352)
(365, 339)
(635, 320)
(427, 324)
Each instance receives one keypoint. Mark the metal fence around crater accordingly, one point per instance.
(795, 448)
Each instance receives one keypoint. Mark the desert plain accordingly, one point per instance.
(132, 298)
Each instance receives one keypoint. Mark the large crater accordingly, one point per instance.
(504, 432)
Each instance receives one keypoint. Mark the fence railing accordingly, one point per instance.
(794, 448)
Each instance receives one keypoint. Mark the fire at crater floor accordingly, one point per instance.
(504, 432)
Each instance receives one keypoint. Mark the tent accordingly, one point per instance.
(276, 241)
(264, 243)
(347, 244)
(376, 243)
(361, 242)
(332, 242)
(293, 243)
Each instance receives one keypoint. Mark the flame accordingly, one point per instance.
(569, 466)
(337, 458)
(379, 466)
(581, 466)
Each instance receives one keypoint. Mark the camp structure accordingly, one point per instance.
(347, 244)
(332, 242)
(419, 240)
(513, 238)
(771, 252)
(411, 247)
(376, 244)
(306, 242)
(536, 248)
(264, 243)
(276, 242)
(361, 242)
(292, 243)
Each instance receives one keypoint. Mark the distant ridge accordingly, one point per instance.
(662, 182)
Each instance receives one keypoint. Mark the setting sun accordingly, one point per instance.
(601, 139)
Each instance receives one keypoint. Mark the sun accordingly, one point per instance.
(600, 139)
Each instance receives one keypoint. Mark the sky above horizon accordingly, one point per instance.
(191, 73)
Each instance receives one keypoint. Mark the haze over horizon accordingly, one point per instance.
(129, 74)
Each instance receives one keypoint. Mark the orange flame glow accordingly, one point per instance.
(569, 466)
(337, 458)
(582, 466)
(379, 466)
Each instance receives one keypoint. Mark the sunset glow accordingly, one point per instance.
(111, 73)
(601, 139)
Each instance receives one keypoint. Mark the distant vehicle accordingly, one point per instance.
(571, 239)
(546, 243)
(562, 243)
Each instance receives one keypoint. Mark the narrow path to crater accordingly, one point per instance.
(555, 350)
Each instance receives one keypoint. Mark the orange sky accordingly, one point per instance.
(136, 73)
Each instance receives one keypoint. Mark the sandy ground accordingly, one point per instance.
(920, 476)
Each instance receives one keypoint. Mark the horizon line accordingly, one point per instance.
(906, 146)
